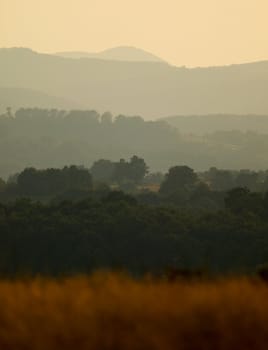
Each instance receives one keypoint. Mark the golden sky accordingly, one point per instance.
(183, 32)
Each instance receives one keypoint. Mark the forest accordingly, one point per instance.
(71, 204)
(70, 221)
(150, 89)
(133, 175)
(51, 138)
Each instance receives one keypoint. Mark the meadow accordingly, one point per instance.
(108, 311)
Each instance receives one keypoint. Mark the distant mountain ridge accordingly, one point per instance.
(205, 124)
(28, 98)
(149, 89)
(121, 53)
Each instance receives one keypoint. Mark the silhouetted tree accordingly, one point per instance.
(137, 169)
(154, 178)
(247, 179)
(9, 112)
(103, 170)
(241, 200)
(106, 119)
(2, 185)
(130, 172)
(220, 180)
(53, 181)
(178, 178)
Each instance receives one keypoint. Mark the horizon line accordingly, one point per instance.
(161, 60)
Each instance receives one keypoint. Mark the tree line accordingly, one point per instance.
(50, 138)
(117, 232)
(73, 220)
(180, 186)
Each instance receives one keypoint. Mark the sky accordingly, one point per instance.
(182, 32)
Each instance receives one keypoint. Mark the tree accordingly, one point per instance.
(154, 178)
(106, 119)
(240, 200)
(121, 171)
(103, 170)
(247, 179)
(265, 184)
(178, 178)
(2, 185)
(137, 169)
(9, 112)
(77, 178)
(132, 172)
(53, 181)
(27, 181)
(220, 180)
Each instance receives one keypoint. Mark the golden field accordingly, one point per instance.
(109, 311)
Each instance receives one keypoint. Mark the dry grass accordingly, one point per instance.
(113, 312)
(152, 187)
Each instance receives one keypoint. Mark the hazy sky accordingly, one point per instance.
(183, 32)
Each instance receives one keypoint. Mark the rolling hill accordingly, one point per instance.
(122, 53)
(21, 97)
(150, 89)
(204, 124)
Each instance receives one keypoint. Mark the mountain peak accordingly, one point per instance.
(120, 53)
(17, 50)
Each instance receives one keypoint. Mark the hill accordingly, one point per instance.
(21, 97)
(150, 89)
(44, 138)
(122, 53)
(203, 124)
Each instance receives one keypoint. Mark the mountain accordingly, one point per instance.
(21, 97)
(122, 53)
(150, 89)
(204, 124)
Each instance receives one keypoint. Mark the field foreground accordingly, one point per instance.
(114, 312)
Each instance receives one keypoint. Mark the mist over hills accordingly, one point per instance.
(150, 89)
(121, 53)
(21, 97)
(205, 124)
(45, 138)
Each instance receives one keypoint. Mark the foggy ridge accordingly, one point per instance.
(150, 89)
(121, 53)
(21, 97)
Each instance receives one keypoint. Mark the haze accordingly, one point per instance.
(191, 33)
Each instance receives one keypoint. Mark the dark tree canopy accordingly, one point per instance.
(103, 170)
(52, 181)
(116, 232)
(247, 179)
(220, 180)
(137, 169)
(122, 172)
(2, 185)
(54, 138)
(178, 178)
(241, 200)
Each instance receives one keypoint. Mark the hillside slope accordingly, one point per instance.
(204, 124)
(21, 97)
(122, 53)
(140, 88)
